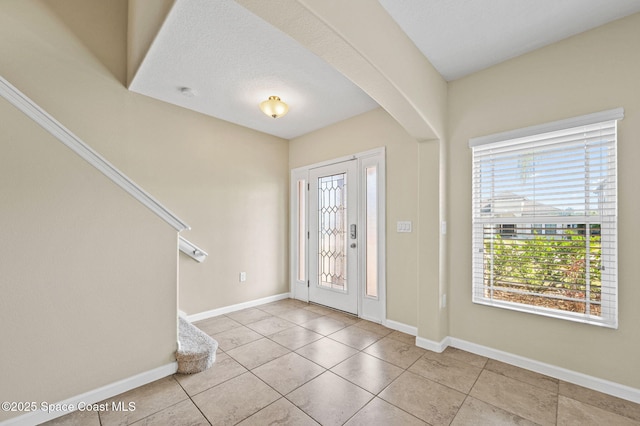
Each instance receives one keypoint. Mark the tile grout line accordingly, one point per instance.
(467, 395)
(484, 368)
(191, 399)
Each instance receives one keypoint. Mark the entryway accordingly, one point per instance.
(337, 228)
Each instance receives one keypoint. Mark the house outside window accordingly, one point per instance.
(507, 230)
(550, 229)
(545, 219)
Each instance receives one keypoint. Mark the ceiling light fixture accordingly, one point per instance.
(274, 107)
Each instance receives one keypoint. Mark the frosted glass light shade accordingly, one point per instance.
(274, 107)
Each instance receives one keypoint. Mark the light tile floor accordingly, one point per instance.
(291, 363)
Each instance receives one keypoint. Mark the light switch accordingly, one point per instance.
(403, 226)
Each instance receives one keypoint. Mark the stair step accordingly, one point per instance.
(197, 350)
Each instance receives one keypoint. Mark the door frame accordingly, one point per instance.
(370, 308)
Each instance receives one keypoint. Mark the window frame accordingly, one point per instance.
(609, 314)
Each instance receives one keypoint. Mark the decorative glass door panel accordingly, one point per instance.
(332, 231)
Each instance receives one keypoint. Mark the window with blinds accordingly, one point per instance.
(545, 219)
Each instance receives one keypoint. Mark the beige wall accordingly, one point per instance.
(88, 273)
(432, 318)
(77, 301)
(595, 71)
(229, 183)
(367, 131)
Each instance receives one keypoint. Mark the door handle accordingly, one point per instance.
(353, 231)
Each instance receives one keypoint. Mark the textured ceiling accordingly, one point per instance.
(460, 37)
(231, 59)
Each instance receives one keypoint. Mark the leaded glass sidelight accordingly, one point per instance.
(332, 231)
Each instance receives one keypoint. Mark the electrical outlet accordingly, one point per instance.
(243, 277)
(444, 301)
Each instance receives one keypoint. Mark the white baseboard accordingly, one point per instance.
(432, 345)
(95, 396)
(595, 383)
(227, 309)
(395, 325)
(421, 342)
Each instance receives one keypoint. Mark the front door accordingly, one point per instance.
(333, 236)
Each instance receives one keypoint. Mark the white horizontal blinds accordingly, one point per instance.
(544, 215)
(546, 178)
